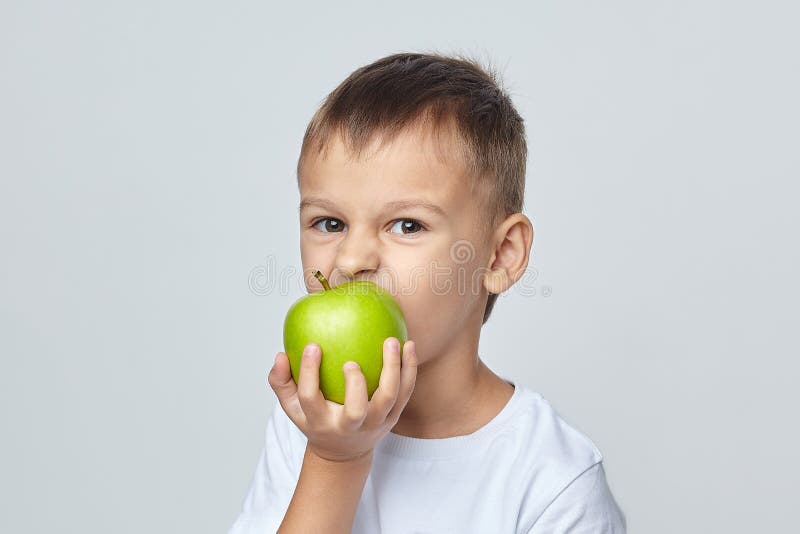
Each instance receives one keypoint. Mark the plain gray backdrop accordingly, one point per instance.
(147, 190)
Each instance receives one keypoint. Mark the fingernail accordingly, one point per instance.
(350, 366)
(309, 350)
(394, 344)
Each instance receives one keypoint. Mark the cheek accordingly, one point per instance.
(432, 297)
(418, 313)
(314, 258)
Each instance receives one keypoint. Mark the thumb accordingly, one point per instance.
(280, 377)
(281, 381)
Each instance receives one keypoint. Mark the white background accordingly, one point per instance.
(147, 155)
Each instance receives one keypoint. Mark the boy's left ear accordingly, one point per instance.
(511, 249)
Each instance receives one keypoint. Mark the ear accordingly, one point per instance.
(511, 249)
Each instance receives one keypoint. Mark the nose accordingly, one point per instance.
(358, 256)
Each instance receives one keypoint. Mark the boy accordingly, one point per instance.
(416, 164)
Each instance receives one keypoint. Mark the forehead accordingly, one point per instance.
(417, 162)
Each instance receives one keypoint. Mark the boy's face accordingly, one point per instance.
(428, 258)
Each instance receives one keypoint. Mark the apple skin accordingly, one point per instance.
(350, 322)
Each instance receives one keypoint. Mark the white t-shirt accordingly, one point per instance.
(526, 471)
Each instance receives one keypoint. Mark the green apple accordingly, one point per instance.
(350, 322)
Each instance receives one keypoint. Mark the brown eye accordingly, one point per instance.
(329, 225)
(408, 226)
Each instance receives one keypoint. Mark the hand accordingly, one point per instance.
(342, 432)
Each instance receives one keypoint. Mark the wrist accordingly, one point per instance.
(326, 458)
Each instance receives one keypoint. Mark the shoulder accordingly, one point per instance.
(550, 440)
(284, 436)
(585, 505)
(561, 467)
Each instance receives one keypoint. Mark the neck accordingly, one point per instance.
(455, 394)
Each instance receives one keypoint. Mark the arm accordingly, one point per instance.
(327, 494)
(341, 438)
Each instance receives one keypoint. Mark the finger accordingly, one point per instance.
(408, 377)
(386, 395)
(281, 381)
(308, 393)
(355, 396)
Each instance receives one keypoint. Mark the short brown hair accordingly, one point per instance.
(458, 96)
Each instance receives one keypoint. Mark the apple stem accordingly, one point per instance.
(322, 280)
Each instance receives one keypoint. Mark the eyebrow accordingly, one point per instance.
(389, 206)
